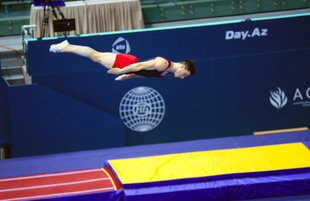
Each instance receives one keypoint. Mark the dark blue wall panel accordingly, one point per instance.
(4, 113)
(238, 66)
(45, 122)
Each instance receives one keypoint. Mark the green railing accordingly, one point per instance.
(15, 13)
(173, 10)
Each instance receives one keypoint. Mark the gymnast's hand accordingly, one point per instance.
(115, 71)
(121, 78)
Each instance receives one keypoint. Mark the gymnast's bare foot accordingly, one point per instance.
(58, 47)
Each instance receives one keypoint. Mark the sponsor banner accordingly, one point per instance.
(278, 98)
(246, 34)
(251, 76)
(197, 43)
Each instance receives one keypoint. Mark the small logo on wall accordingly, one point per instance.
(257, 32)
(142, 109)
(121, 46)
(278, 98)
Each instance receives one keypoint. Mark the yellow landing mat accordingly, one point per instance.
(211, 163)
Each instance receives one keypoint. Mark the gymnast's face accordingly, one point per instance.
(181, 72)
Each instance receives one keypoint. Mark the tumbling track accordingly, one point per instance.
(57, 184)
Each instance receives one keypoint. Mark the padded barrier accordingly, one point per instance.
(233, 82)
(227, 189)
(55, 122)
(4, 113)
(242, 173)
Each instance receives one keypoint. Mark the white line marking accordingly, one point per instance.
(52, 185)
(49, 175)
(60, 194)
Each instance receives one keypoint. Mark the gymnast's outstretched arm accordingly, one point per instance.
(158, 64)
(149, 65)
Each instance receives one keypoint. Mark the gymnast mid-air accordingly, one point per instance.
(128, 65)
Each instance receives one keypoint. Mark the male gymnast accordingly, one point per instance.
(128, 65)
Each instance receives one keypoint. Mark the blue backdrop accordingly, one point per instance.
(4, 113)
(243, 69)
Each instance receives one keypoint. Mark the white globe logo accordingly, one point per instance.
(142, 109)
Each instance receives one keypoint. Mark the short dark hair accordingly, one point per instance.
(189, 65)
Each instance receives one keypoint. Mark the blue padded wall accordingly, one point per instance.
(238, 66)
(45, 121)
(4, 113)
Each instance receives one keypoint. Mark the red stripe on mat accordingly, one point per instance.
(57, 184)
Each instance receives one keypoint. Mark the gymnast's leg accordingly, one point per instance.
(106, 59)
